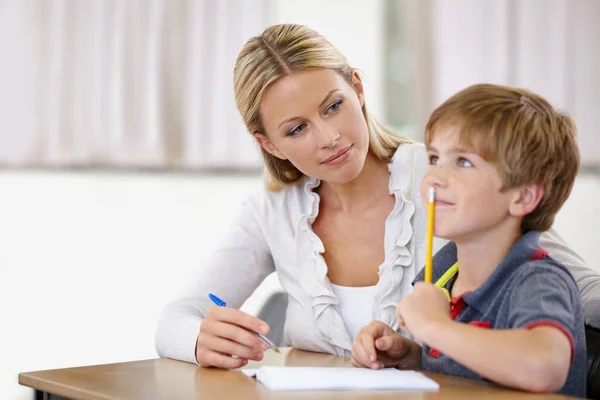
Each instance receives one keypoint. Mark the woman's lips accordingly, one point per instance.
(338, 157)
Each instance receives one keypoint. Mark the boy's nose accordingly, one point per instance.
(436, 176)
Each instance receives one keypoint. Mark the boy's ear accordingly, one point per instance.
(527, 198)
(266, 144)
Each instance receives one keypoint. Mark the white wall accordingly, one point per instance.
(88, 260)
(579, 219)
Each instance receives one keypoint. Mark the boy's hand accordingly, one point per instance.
(378, 346)
(423, 309)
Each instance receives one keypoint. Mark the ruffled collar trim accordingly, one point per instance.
(398, 233)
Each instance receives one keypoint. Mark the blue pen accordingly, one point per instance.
(265, 339)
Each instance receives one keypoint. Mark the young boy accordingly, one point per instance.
(502, 162)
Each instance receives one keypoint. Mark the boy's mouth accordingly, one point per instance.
(442, 203)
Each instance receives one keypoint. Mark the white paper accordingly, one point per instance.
(251, 372)
(320, 378)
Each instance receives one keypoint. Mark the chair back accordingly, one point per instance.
(592, 340)
(273, 312)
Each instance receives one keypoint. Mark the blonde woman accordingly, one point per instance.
(340, 219)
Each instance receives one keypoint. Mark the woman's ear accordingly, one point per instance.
(268, 146)
(358, 87)
(526, 200)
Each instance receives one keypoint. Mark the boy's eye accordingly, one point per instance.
(433, 160)
(463, 162)
(297, 130)
(335, 106)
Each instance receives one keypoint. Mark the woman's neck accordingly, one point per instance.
(479, 255)
(360, 193)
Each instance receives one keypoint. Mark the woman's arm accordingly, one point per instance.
(588, 279)
(233, 272)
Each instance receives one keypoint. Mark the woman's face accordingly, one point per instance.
(314, 119)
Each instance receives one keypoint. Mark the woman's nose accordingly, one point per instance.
(326, 137)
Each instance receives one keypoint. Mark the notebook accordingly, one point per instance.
(321, 378)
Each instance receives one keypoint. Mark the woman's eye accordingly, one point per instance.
(433, 160)
(463, 162)
(335, 106)
(297, 130)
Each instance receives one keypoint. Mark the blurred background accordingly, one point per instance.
(122, 156)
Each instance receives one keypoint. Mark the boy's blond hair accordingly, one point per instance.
(282, 50)
(523, 135)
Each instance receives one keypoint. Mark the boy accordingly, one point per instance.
(502, 162)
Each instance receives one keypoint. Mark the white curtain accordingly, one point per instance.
(113, 83)
(548, 46)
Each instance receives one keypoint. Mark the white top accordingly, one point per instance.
(355, 306)
(273, 232)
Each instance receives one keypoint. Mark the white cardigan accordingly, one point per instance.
(273, 232)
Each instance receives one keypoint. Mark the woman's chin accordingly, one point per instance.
(345, 177)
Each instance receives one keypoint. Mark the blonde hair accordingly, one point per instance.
(282, 50)
(523, 135)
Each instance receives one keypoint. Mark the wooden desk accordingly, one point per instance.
(168, 379)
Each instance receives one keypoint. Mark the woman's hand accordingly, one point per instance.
(226, 339)
(378, 346)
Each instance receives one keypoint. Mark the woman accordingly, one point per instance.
(341, 220)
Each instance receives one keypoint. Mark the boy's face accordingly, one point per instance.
(468, 201)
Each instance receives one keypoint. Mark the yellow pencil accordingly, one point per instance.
(430, 218)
